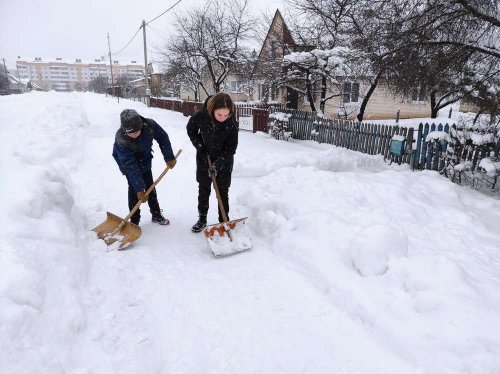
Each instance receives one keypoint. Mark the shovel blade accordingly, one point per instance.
(228, 238)
(121, 238)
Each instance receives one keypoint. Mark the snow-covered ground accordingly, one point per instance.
(356, 266)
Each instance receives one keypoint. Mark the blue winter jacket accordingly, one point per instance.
(134, 156)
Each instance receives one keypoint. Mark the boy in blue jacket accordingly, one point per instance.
(132, 151)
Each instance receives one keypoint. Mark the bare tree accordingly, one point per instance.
(98, 84)
(322, 28)
(472, 24)
(446, 47)
(484, 92)
(177, 61)
(244, 69)
(208, 40)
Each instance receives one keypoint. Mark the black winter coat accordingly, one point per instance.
(218, 139)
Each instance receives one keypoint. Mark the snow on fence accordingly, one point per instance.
(426, 147)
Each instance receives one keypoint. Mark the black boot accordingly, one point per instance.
(200, 225)
(158, 218)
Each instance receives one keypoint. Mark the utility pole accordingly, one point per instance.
(111, 67)
(148, 91)
(19, 86)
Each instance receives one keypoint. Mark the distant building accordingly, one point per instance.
(71, 75)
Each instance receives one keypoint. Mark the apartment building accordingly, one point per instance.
(69, 75)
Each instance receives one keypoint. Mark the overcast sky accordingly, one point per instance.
(78, 29)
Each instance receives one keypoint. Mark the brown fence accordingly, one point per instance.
(260, 119)
(190, 107)
(175, 105)
(257, 114)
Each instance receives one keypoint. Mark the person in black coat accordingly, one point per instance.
(132, 152)
(213, 130)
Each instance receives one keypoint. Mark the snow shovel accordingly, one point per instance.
(118, 233)
(228, 237)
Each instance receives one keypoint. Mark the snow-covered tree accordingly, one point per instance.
(321, 29)
(318, 65)
(365, 31)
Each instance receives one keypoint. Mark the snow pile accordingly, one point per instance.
(489, 166)
(44, 258)
(356, 266)
(372, 249)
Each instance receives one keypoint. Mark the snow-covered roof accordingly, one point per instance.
(137, 80)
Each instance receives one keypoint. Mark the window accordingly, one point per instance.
(273, 92)
(418, 94)
(351, 92)
(234, 86)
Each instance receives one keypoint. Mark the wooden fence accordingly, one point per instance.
(375, 138)
(254, 116)
(175, 105)
(363, 137)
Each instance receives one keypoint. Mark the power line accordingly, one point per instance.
(130, 41)
(160, 33)
(154, 19)
(147, 23)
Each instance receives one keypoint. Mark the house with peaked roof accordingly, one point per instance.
(349, 90)
(263, 84)
(267, 70)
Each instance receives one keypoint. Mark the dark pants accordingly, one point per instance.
(154, 207)
(205, 187)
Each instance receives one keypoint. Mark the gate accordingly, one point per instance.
(260, 118)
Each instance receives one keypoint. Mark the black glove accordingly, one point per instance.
(216, 167)
(219, 163)
(212, 171)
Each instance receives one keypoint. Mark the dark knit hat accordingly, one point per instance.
(131, 121)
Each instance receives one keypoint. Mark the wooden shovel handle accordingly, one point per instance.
(219, 200)
(148, 191)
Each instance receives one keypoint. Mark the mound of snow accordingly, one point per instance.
(372, 248)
